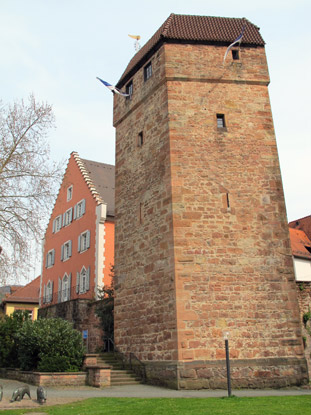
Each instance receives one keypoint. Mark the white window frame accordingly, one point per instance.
(84, 241)
(66, 281)
(83, 280)
(79, 209)
(50, 258)
(57, 224)
(67, 217)
(69, 193)
(66, 250)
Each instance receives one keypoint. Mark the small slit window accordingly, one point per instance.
(129, 90)
(140, 139)
(235, 54)
(221, 121)
(147, 71)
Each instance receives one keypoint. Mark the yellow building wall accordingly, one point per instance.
(10, 308)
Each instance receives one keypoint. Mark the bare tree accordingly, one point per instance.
(28, 183)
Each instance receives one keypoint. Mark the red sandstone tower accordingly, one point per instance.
(202, 243)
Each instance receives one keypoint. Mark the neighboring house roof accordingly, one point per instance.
(194, 29)
(8, 289)
(27, 294)
(100, 178)
(303, 224)
(300, 243)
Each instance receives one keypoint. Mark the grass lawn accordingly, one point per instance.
(286, 405)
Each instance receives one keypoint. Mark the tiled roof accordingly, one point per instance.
(299, 243)
(103, 177)
(100, 179)
(194, 29)
(8, 289)
(304, 224)
(27, 294)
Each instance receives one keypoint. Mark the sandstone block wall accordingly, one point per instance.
(202, 243)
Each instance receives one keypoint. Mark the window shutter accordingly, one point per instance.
(75, 212)
(70, 248)
(51, 293)
(53, 257)
(64, 219)
(83, 206)
(87, 284)
(88, 239)
(62, 253)
(69, 286)
(79, 243)
(54, 221)
(70, 215)
(78, 283)
(44, 293)
(46, 260)
(59, 289)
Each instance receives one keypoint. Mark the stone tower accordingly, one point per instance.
(202, 243)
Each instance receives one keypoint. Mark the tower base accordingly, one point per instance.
(211, 374)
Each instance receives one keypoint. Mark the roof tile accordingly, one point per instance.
(299, 242)
(198, 29)
(27, 294)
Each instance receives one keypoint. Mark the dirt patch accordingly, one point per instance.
(32, 403)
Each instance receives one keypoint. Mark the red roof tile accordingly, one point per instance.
(194, 29)
(299, 242)
(304, 224)
(27, 294)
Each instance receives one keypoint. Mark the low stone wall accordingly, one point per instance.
(96, 376)
(46, 378)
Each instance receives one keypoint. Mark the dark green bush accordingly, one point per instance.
(9, 327)
(43, 340)
(55, 364)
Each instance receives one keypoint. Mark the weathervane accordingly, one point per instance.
(136, 44)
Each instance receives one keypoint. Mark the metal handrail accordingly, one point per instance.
(141, 372)
(139, 368)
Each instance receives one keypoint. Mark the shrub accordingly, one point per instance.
(50, 344)
(55, 364)
(9, 327)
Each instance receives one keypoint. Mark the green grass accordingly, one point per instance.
(285, 405)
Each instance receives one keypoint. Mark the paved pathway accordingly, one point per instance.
(60, 395)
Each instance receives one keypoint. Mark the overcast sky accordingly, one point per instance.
(56, 48)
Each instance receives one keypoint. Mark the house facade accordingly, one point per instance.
(78, 249)
(24, 298)
(202, 242)
(301, 249)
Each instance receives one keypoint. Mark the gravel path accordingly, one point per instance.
(61, 395)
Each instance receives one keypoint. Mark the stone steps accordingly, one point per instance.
(119, 376)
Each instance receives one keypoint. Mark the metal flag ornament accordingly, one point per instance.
(237, 40)
(137, 44)
(113, 88)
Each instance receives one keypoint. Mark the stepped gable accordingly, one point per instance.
(194, 29)
(100, 179)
